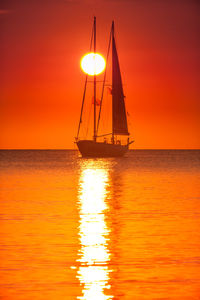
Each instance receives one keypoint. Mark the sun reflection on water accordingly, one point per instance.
(94, 255)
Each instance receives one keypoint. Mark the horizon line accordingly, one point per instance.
(72, 149)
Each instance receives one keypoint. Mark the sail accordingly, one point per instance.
(119, 120)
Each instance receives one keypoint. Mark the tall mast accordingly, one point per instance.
(112, 33)
(84, 93)
(94, 137)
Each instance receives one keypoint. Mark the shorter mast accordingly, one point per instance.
(119, 118)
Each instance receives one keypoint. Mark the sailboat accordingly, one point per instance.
(93, 147)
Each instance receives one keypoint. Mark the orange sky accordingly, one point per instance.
(41, 82)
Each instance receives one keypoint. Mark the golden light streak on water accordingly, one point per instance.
(94, 254)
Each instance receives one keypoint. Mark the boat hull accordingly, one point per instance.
(90, 148)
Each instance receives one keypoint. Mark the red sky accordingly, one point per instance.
(41, 82)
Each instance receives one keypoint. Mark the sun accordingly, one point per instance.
(93, 63)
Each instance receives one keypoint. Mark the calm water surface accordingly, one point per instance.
(97, 229)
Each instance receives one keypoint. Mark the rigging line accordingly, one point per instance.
(85, 86)
(83, 100)
(88, 121)
(104, 82)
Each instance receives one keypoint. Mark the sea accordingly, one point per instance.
(97, 229)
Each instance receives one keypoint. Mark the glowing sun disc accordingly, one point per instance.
(93, 63)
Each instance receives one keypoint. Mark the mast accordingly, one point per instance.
(112, 33)
(104, 81)
(84, 93)
(119, 118)
(94, 137)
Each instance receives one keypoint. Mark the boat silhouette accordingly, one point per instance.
(114, 148)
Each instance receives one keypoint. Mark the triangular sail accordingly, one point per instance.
(119, 119)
